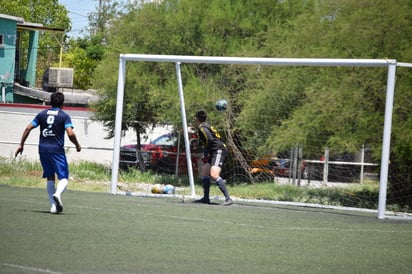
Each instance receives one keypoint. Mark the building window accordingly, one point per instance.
(1, 40)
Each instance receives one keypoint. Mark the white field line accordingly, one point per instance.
(389, 214)
(34, 269)
(139, 213)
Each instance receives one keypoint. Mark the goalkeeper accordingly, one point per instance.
(214, 157)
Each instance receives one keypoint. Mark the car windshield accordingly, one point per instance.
(165, 140)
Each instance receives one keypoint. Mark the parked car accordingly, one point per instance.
(163, 154)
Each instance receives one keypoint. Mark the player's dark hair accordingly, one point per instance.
(57, 99)
(201, 116)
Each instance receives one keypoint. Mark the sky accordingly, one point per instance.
(78, 11)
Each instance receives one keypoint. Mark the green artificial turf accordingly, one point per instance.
(103, 233)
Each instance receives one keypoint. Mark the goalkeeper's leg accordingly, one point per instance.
(206, 189)
(215, 174)
(206, 184)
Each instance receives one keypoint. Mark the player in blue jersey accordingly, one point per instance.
(53, 123)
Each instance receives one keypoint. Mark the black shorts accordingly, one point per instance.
(218, 158)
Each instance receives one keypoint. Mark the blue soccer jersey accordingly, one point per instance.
(53, 123)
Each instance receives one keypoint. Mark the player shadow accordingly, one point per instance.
(191, 202)
(34, 211)
(41, 211)
(47, 212)
(204, 204)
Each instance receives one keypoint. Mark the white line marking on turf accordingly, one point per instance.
(31, 268)
(243, 224)
(225, 222)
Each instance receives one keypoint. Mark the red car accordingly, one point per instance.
(164, 154)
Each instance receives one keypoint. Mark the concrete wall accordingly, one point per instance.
(91, 135)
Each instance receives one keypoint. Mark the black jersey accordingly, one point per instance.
(210, 138)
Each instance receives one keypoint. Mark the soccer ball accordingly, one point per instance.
(221, 105)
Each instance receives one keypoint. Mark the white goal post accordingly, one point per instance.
(391, 64)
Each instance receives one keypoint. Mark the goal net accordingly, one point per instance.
(273, 138)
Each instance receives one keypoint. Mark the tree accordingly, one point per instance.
(334, 29)
(273, 108)
(188, 28)
(347, 107)
(100, 20)
(84, 54)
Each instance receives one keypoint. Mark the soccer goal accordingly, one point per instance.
(391, 66)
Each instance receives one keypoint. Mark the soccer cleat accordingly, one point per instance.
(59, 204)
(53, 209)
(203, 201)
(228, 202)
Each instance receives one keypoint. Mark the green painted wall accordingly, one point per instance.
(7, 50)
(7, 57)
(27, 74)
(30, 71)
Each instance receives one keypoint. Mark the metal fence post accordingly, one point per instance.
(362, 164)
(326, 166)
